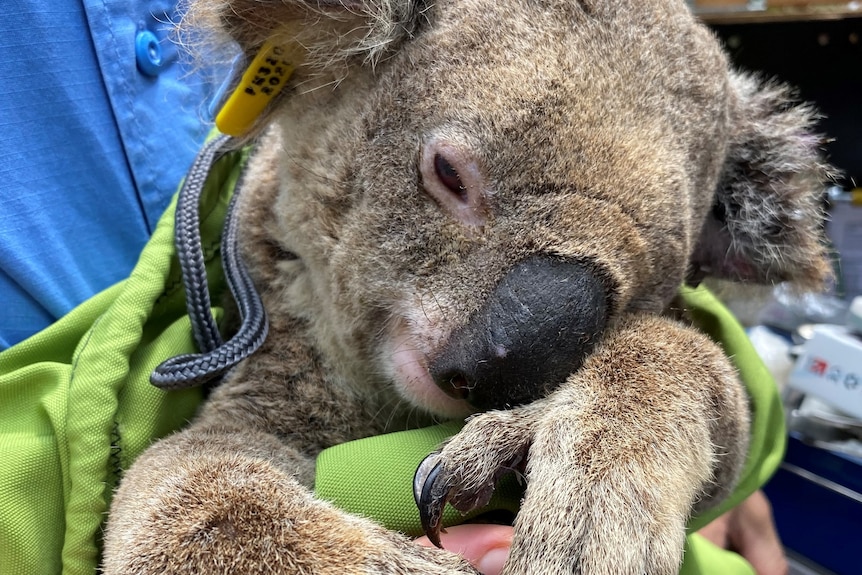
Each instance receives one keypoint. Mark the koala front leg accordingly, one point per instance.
(208, 501)
(654, 425)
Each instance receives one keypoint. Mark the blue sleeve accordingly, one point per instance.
(100, 118)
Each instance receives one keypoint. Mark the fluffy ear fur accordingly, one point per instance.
(331, 30)
(333, 35)
(765, 224)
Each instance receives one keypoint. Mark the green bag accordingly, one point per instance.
(76, 408)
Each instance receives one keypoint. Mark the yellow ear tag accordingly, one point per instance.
(260, 83)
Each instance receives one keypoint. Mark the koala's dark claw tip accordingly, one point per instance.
(430, 491)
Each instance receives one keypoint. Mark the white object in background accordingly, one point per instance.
(830, 368)
(774, 350)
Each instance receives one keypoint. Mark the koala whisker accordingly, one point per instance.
(392, 403)
(440, 307)
(301, 89)
(318, 176)
(396, 406)
(424, 311)
(414, 362)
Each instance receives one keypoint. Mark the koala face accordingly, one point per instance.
(476, 208)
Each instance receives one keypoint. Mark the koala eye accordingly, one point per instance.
(452, 176)
(449, 177)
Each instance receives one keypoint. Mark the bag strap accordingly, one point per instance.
(216, 356)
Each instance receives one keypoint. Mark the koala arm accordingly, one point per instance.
(617, 458)
(230, 493)
(203, 501)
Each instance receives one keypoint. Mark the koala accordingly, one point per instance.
(485, 209)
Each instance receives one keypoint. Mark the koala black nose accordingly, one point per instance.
(535, 329)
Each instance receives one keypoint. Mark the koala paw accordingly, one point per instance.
(590, 508)
(466, 470)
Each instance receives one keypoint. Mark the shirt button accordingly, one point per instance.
(148, 53)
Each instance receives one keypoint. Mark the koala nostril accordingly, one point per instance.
(453, 178)
(455, 384)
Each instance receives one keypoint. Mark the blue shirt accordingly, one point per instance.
(99, 120)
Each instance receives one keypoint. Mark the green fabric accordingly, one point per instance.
(705, 558)
(768, 434)
(373, 477)
(76, 405)
(76, 408)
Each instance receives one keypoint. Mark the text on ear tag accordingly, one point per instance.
(262, 81)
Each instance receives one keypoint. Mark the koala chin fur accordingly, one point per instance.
(486, 205)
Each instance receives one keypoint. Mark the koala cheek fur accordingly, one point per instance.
(486, 208)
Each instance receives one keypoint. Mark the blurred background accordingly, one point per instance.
(813, 344)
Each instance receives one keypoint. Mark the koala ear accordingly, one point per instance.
(766, 221)
(331, 30)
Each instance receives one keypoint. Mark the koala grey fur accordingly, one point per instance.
(423, 152)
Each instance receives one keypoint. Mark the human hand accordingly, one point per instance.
(749, 530)
(484, 546)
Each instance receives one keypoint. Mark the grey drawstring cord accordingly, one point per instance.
(216, 356)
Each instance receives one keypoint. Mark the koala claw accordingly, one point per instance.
(431, 493)
(465, 475)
